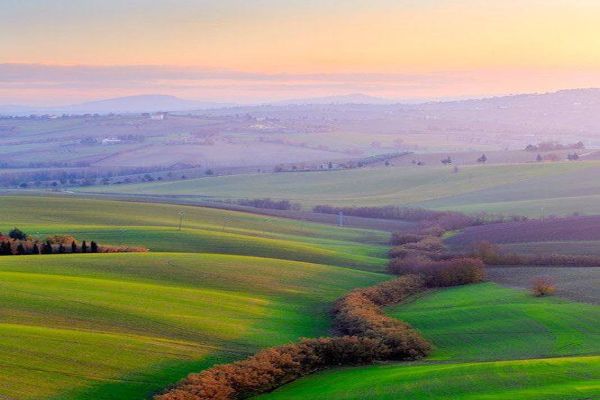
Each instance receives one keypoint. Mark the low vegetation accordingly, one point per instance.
(492, 255)
(269, 204)
(543, 286)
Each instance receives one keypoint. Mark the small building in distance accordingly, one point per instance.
(159, 116)
(110, 140)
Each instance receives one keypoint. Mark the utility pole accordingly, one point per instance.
(341, 219)
(181, 214)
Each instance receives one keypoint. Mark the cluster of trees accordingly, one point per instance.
(369, 336)
(491, 254)
(431, 223)
(270, 204)
(17, 242)
(423, 254)
(24, 247)
(440, 273)
(63, 174)
(553, 146)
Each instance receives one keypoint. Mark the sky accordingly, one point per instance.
(65, 51)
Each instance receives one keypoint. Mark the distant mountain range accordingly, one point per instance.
(155, 103)
(581, 99)
(129, 104)
(353, 98)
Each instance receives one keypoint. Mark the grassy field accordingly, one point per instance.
(527, 189)
(491, 342)
(204, 230)
(120, 326)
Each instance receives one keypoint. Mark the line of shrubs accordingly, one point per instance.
(491, 254)
(269, 204)
(429, 219)
(425, 255)
(442, 273)
(360, 313)
(368, 336)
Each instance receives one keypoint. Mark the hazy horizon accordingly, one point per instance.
(61, 52)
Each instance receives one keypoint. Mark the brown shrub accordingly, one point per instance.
(61, 239)
(543, 286)
(276, 366)
(400, 238)
(359, 313)
(122, 249)
(457, 271)
(428, 243)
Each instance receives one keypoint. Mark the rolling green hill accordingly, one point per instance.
(491, 342)
(558, 188)
(123, 325)
(204, 230)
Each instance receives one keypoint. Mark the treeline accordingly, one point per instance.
(425, 255)
(369, 335)
(492, 255)
(18, 242)
(64, 174)
(440, 273)
(435, 221)
(553, 146)
(269, 204)
(360, 314)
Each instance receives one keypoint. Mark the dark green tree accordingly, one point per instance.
(20, 249)
(5, 249)
(47, 248)
(73, 247)
(93, 247)
(17, 234)
(84, 247)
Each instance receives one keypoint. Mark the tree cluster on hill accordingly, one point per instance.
(553, 146)
(491, 254)
(18, 242)
(430, 219)
(269, 204)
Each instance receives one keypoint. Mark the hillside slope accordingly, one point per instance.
(124, 325)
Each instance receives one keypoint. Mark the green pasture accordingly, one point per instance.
(569, 378)
(490, 322)
(490, 343)
(528, 189)
(155, 226)
(108, 326)
(124, 325)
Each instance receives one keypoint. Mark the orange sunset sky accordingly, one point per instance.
(60, 51)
